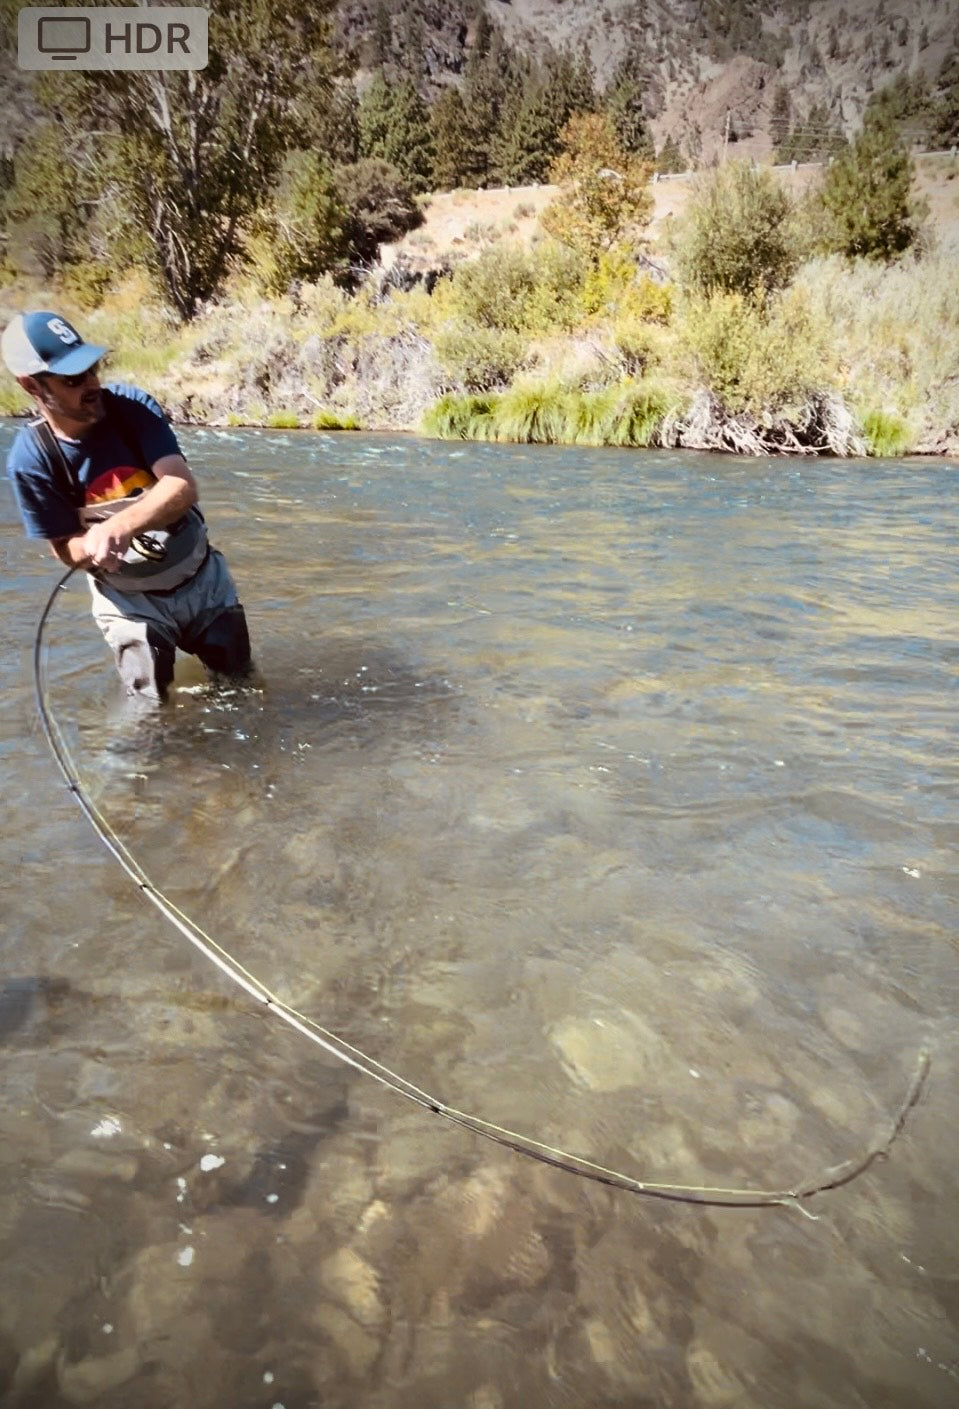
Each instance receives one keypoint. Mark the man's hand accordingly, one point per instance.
(104, 544)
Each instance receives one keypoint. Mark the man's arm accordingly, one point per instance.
(104, 544)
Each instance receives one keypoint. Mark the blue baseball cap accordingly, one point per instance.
(45, 342)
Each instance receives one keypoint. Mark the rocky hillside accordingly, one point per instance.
(711, 67)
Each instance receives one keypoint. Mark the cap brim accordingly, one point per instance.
(78, 359)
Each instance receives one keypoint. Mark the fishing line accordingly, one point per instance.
(343, 1051)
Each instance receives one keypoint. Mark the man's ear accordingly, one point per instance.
(32, 386)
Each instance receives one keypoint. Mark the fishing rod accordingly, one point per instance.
(832, 1178)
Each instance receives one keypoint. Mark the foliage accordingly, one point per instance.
(458, 417)
(509, 287)
(740, 234)
(885, 433)
(532, 414)
(451, 141)
(552, 413)
(946, 108)
(379, 206)
(527, 141)
(493, 290)
(604, 197)
(324, 420)
(866, 197)
(757, 359)
(670, 158)
(907, 104)
(896, 330)
(612, 287)
(816, 137)
(626, 109)
(45, 207)
(195, 153)
(304, 225)
(394, 126)
(480, 358)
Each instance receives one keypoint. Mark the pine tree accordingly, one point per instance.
(304, 224)
(451, 141)
(670, 158)
(492, 85)
(866, 196)
(624, 105)
(815, 138)
(946, 111)
(528, 141)
(395, 127)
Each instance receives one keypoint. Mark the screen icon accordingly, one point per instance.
(63, 39)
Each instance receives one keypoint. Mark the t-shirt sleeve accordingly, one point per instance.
(45, 507)
(146, 420)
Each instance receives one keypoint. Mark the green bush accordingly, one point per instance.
(457, 417)
(283, 421)
(754, 359)
(868, 208)
(740, 234)
(885, 433)
(493, 290)
(325, 420)
(479, 358)
(551, 413)
(533, 414)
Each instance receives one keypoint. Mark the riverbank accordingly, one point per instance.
(516, 343)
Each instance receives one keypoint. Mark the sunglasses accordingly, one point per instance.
(74, 380)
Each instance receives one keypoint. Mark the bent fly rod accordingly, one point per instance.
(832, 1178)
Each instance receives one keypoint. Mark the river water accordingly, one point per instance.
(609, 796)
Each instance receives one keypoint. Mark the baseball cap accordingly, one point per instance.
(45, 342)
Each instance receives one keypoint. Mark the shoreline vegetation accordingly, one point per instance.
(531, 343)
(253, 241)
(571, 338)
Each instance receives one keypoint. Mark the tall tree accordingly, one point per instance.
(451, 141)
(946, 109)
(604, 197)
(866, 196)
(623, 102)
(395, 127)
(491, 86)
(528, 139)
(195, 153)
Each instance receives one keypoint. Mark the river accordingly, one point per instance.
(609, 796)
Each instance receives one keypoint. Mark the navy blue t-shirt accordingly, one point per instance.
(109, 464)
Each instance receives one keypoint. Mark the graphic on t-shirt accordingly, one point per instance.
(121, 482)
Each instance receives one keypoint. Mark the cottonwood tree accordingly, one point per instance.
(193, 155)
(605, 198)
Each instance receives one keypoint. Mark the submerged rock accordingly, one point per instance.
(609, 1054)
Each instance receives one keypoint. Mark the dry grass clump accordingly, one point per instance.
(895, 331)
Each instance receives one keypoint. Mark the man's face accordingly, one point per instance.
(77, 399)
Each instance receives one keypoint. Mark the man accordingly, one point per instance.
(100, 475)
